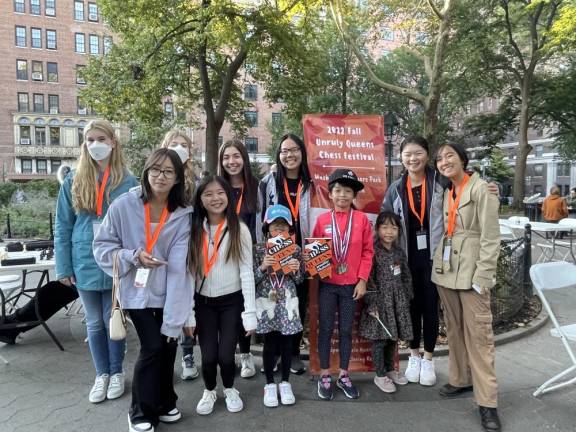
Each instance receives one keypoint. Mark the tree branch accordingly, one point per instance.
(171, 34)
(228, 84)
(423, 58)
(435, 10)
(504, 4)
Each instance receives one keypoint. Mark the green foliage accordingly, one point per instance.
(31, 218)
(48, 187)
(256, 168)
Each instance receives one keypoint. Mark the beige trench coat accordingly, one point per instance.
(475, 243)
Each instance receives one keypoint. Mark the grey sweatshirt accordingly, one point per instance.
(169, 287)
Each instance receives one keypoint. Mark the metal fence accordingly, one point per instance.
(27, 228)
(513, 285)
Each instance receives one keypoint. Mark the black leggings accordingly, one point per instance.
(302, 292)
(424, 308)
(217, 320)
(275, 342)
(153, 382)
(383, 356)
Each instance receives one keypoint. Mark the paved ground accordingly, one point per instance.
(43, 389)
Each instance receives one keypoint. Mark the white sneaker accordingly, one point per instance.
(248, 370)
(99, 389)
(206, 404)
(233, 401)
(116, 386)
(427, 373)
(286, 394)
(271, 395)
(189, 368)
(171, 416)
(412, 373)
(140, 427)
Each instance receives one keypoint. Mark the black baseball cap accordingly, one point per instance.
(345, 177)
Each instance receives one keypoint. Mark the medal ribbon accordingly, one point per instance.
(100, 187)
(453, 206)
(420, 216)
(151, 239)
(209, 261)
(276, 282)
(294, 208)
(341, 244)
(239, 203)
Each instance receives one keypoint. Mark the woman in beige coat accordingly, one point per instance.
(464, 271)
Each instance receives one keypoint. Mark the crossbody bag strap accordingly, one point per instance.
(115, 281)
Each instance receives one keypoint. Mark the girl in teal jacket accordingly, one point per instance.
(100, 177)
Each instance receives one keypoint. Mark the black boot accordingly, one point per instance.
(8, 336)
(489, 418)
(448, 390)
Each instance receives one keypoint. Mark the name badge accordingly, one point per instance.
(396, 270)
(141, 277)
(447, 250)
(421, 240)
(96, 227)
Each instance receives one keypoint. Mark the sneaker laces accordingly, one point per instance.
(232, 394)
(99, 384)
(413, 361)
(116, 379)
(427, 365)
(326, 381)
(345, 379)
(189, 361)
(208, 397)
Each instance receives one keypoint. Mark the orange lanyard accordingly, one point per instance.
(209, 261)
(420, 216)
(453, 206)
(151, 239)
(294, 208)
(100, 191)
(239, 203)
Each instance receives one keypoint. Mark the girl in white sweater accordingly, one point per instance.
(220, 258)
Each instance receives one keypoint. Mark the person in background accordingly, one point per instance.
(290, 186)
(571, 199)
(177, 140)
(150, 250)
(464, 272)
(554, 206)
(234, 167)
(100, 177)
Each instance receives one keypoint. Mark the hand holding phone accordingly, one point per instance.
(159, 261)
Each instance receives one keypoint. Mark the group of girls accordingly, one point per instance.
(188, 263)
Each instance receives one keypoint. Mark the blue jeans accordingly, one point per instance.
(107, 355)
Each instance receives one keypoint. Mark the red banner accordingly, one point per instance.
(354, 142)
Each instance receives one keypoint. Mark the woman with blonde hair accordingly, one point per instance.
(177, 140)
(99, 178)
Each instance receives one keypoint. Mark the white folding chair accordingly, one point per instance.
(546, 277)
(568, 245)
(520, 222)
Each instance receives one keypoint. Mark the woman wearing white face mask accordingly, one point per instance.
(100, 177)
(177, 140)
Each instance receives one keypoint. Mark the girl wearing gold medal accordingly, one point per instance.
(353, 249)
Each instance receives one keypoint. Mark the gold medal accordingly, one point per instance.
(273, 295)
(341, 268)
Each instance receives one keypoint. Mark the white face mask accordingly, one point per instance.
(182, 152)
(99, 150)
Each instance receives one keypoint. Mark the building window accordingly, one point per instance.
(52, 71)
(53, 104)
(20, 36)
(38, 103)
(79, 78)
(79, 10)
(538, 189)
(25, 135)
(36, 36)
(107, 44)
(92, 12)
(21, 69)
(23, 102)
(251, 144)
(80, 136)
(276, 118)
(387, 33)
(41, 166)
(35, 7)
(539, 150)
(251, 118)
(37, 71)
(94, 44)
(51, 39)
(80, 43)
(50, 7)
(81, 106)
(563, 170)
(54, 136)
(54, 165)
(40, 136)
(26, 166)
(19, 6)
(538, 170)
(250, 92)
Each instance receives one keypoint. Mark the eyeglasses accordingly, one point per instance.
(168, 173)
(290, 151)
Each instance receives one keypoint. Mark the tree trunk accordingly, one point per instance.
(430, 127)
(211, 162)
(524, 147)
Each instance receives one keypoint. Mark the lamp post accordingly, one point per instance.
(390, 125)
(485, 163)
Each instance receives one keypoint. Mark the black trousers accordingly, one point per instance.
(383, 356)
(302, 292)
(424, 308)
(243, 340)
(275, 342)
(153, 382)
(217, 321)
